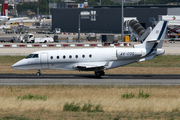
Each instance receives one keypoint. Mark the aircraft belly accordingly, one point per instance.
(61, 66)
(114, 64)
(33, 67)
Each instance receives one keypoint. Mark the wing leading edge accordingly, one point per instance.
(90, 67)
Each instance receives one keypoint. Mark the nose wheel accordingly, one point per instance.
(38, 73)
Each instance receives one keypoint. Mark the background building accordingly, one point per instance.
(108, 19)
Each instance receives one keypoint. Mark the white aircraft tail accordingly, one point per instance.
(156, 38)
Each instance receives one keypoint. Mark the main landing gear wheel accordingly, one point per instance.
(38, 73)
(99, 73)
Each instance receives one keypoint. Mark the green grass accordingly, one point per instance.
(128, 95)
(32, 97)
(143, 95)
(131, 95)
(10, 59)
(15, 117)
(87, 107)
(95, 116)
(159, 61)
(71, 107)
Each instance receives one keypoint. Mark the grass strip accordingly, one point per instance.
(32, 97)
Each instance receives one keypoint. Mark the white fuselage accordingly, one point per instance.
(4, 19)
(69, 59)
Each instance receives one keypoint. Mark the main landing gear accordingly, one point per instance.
(38, 73)
(99, 73)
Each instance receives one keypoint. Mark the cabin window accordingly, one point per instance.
(83, 56)
(51, 57)
(90, 55)
(57, 57)
(76, 56)
(64, 57)
(70, 56)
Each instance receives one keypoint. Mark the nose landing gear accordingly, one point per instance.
(38, 73)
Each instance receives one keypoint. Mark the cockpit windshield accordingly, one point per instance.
(32, 56)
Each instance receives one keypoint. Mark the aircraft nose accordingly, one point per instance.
(15, 66)
(20, 65)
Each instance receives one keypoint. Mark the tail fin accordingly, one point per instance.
(155, 38)
(4, 8)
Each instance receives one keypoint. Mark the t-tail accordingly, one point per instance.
(4, 8)
(154, 42)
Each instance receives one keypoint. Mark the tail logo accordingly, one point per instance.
(174, 18)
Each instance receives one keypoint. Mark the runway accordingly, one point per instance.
(88, 79)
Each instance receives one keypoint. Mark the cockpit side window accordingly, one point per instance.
(32, 56)
(35, 56)
(29, 56)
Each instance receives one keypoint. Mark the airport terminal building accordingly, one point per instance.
(107, 19)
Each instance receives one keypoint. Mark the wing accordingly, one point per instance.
(16, 20)
(91, 66)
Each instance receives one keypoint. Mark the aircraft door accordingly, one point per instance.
(44, 61)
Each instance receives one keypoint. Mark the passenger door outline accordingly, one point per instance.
(44, 61)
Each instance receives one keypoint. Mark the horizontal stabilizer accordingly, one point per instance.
(153, 41)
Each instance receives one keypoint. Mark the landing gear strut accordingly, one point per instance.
(38, 73)
(99, 73)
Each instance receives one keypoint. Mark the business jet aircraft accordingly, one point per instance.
(4, 15)
(96, 59)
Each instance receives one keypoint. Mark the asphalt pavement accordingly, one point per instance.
(89, 79)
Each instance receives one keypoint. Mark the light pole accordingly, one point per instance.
(49, 8)
(122, 35)
(38, 9)
(79, 28)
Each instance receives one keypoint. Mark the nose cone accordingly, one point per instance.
(20, 65)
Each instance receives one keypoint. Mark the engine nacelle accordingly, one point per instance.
(128, 54)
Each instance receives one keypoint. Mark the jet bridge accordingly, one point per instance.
(137, 29)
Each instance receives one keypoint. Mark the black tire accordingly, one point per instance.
(98, 74)
(102, 72)
(38, 74)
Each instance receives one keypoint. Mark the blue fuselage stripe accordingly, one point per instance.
(162, 30)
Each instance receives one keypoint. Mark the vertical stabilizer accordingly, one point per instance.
(4, 8)
(155, 38)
